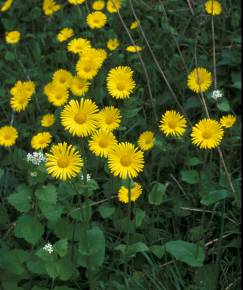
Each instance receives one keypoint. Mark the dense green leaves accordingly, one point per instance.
(157, 193)
(21, 198)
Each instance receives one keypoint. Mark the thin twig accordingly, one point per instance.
(190, 7)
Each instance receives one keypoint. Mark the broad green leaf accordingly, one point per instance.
(61, 247)
(223, 105)
(190, 176)
(51, 211)
(21, 198)
(157, 193)
(106, 211)
(47, 193)
(36, 267)
(214, 196)
(139, 217)
(158, 250)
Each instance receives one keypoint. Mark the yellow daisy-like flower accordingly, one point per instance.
(199, 80)
(8, 136)
(63, 162)
(213, 7)
(96, 20)
(227, 121)
(207, 134)
(12, 37)
(101, 142)
(134, 48)
(125, 161)
(41, 140)
(112, 44)
(172, 123)
(62, 78)
(57, 96)
(146, 140)
(80, 118)
(135, 192)
(113, 6)
(98, 5)
(134, 25)
(78, 45)
(47, 120)
(79, 87)
(76, 2)
(65, 34)
(109, 118)
(21, 94)
(50, 6)
(6, 5)
(120, 83)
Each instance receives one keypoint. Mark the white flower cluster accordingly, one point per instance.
(88, 176)
(48, 247)
(36, 158)
(217, 94)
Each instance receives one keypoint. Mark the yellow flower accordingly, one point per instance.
(113, 6)
(134, 25)
(120, 83)
(21, 94)
(134, 48)
(146, 140)
(79, 87)
(172, 123)
(65, 34)
(98, 5)
(109, 118)
(12, 37)
(47, 120)
(62, 78)
(199, 80)
(57, 95)
(76, 2)
(41, 140)
(213, 7)
(8, 136)
(125, 161)
(112, 44)
(63, 162)
(80, 118)
(6, 5)
(78, 45)
(96, 20)
(228, 121)
(207, 134)
(101, 142)
(49, 7)
(135, 192)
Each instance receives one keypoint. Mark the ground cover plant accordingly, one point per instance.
(119, 144)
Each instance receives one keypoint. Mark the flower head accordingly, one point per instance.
(12, 37)
(96, 20)
(113, 6)
(199, 80)
(135, 192)
(101, 142)
(41, 140)
(65, 34)
(8, 136)
(6, 5)
(109, 118)
(79, 87)
(47, 120)
(227, 121)
(207, 134)
(76, 2)
(50, 6)
(21, 94)
(213, 7)
(134, 48)
(125, 160)
(120, 83)
(36, 158)
(146, 140)
(80, 118)
(217, 94)
(134, 25)
(78, 45)
(172, 123)
(48, 248)
(63, 162)
(112, 44)
(98, 5)
(62, 78)
(57, 95)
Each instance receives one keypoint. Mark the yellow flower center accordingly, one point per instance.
(109, 120)
(80, 118)
(120, 86)
(7, 136)
(58, 97)
(126, 160)
(148, 140)
(21, 100)
(103, 143)
(207, 134)
(62, 80)
(42, 141)
(172, 124)
(87, 68)
(63, 162)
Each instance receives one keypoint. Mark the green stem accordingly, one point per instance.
(129, 211)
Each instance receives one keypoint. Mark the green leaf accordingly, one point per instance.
(47, 193)
(193, 161)
(51, 211)
(28, 228)
(9, 56)
(61, 247)
(189, 253)
(139, 217)
(106, 211)
(224, 105)
(36, 267)
(158, 250)
(190, 176)
(157, 194)
(214, 196)
(21, 198)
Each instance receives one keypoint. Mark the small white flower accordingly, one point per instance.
(217, 94)
(36, 158)
(88, 176)
(48, 247)
(33, 173)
